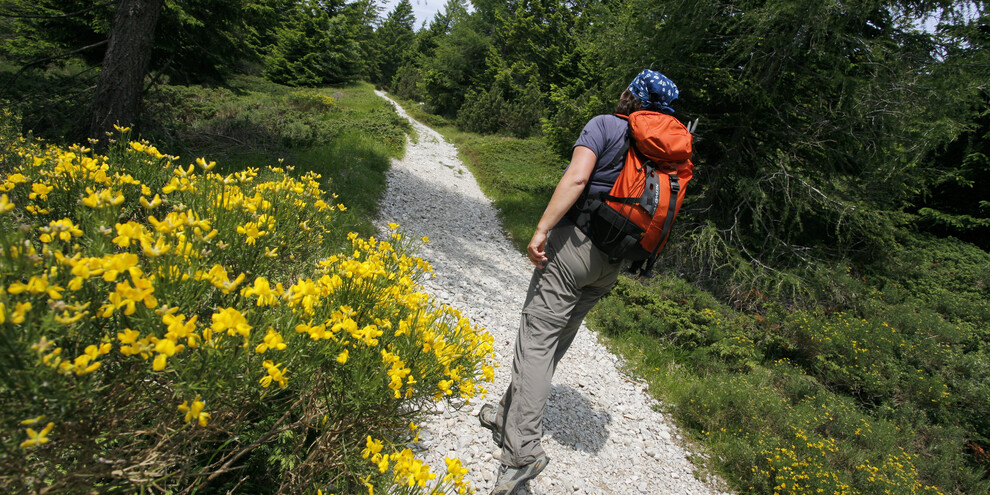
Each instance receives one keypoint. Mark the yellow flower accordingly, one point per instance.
(205, 166)
(165, 348)
(342, 357)
(128, 232)
(5, 204)
(179, 172)
(305, 292)
(127, 296)
(63, 229)
(251, 231)
(218, 278)
(412, 470)
(153, 251)
(274, 375)
(195, 412)
(103, 198)
(444, 386)
(20, 312)
(17, 179)
(40, 190)
(261, 288)
(128, 336)
(425, 239)
(455, 472)
(113, 265)
(150, 204)
(37, 285)
(82, 365)
(36, 438)
(33, 421)
(372, 447)
(67, 319)
(231, 320)
(273, 340)
(178, 328)
(146, 148)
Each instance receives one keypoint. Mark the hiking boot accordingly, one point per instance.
(487, 419)
(510, 478)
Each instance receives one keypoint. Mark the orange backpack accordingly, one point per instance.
(633, 220)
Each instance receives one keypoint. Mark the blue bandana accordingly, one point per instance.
(654, 90)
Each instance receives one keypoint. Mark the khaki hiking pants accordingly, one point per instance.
(576, 276)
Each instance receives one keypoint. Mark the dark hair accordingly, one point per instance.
(628, 103)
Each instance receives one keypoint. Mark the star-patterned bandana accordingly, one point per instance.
(654, 90)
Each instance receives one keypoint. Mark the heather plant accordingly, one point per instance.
(167, 328)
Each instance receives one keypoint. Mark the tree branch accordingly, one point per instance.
(10, 83)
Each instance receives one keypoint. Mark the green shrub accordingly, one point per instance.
(513, 105)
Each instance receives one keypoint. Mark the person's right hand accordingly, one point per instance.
(537, 248)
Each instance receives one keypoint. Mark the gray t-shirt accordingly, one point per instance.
(605, 135)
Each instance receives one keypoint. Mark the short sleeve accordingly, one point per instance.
(605, 136)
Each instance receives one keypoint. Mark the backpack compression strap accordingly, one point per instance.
(668, 222)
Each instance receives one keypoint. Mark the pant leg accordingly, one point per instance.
(559, 297)
(589, 297)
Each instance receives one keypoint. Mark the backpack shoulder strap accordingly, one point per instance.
(625, 145)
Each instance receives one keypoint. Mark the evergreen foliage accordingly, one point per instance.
(316, 47)
(393, 39)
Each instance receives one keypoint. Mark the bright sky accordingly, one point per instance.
(423, 10)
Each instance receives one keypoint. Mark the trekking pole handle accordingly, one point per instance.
(692, 125)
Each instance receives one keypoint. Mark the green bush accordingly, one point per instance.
(512, 105)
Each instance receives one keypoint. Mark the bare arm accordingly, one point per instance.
(568, 190)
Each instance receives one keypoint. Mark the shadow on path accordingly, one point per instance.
(572, 420)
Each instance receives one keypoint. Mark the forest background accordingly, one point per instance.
(822, 317)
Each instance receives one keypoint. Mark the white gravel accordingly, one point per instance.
(602, 431)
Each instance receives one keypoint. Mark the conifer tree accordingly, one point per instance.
(394, 41)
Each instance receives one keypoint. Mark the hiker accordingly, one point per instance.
(571, 275)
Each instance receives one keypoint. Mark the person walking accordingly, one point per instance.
(571, 275)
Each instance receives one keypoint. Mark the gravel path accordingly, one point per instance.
(601, 430)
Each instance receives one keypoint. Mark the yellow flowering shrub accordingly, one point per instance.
(166, 326)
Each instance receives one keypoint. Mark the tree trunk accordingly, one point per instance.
(118, 91)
